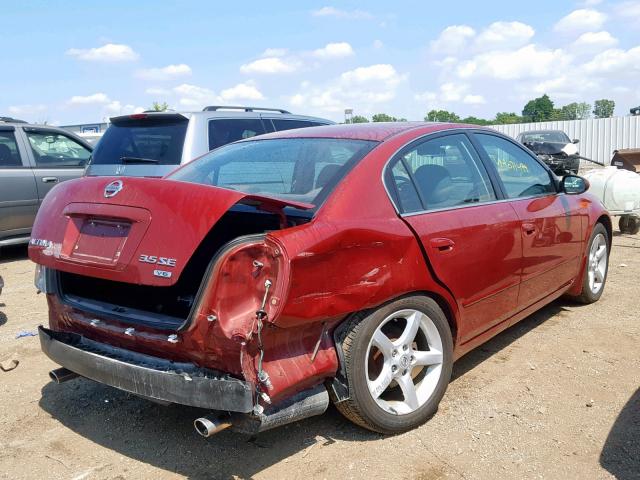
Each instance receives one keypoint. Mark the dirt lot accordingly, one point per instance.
(556, 396)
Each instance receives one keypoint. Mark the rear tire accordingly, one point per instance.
(597, 266)
(629, 224)
(411, 359)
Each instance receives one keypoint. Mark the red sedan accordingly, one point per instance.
(352, 263)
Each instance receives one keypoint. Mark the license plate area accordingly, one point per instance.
(100, 240)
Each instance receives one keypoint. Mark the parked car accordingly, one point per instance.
(554, 148)
(33, 159)
(152, 144)
(352, 262)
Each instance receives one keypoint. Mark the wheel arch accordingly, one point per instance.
(605, 220)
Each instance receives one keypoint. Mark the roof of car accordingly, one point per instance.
(377, 131)
(224, 113)
(541, 131)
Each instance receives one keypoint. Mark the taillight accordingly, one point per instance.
(246, 276)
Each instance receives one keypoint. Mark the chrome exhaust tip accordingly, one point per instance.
(60, 375)
(210, 425)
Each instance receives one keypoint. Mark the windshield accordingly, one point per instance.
(296, 169)
(144, 141)
(551, 137)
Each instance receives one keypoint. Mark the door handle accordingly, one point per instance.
(49, 179)
(529, 228)
(442, 244)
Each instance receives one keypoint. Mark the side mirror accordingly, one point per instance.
(574, 185)
(575, 140)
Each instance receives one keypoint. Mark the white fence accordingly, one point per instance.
(599, 137)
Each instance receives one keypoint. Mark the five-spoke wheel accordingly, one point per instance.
(398, 363)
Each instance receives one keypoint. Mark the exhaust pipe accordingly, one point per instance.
(60, 375)
(210, 425)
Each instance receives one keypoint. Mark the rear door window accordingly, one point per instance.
(227, 130)
(144, 141)
(55, 150)
(446, 172)
(283, 124)
(9, 154)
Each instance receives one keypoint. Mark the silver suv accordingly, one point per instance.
(152, 144)
(33, 159)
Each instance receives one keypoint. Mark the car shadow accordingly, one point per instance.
(506, 338)
(3, 316)
(13, 253)
(165, 438)
(620, 455)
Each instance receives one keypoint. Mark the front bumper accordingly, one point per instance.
(152, 377)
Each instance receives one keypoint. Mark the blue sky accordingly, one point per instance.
(75, 62)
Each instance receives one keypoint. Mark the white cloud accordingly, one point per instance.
(594, 41)
(629, 10)
(565, 87)
(474, 100)
(117, 108)
(111, 52)
(526, 62)
(581, 20)
(426, 97)
(164, 73)
(334, 50)
(157, 91)
(27, 109)
(93, 99)
(338, 13)
(504, 34)
(193, 96)
(377, 44)
(270, 65)
(452, 39)
(363, 87)
(242, 91)
(615, 60)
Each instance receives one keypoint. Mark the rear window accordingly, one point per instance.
(297, 169)
(142, 142)
(9, 156)
(225, 131)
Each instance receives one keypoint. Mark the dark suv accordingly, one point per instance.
(33, 158)
(152, 144)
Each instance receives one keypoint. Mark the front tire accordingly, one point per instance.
(398, 362)
(597, 267)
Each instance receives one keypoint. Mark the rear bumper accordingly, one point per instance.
(153, 377)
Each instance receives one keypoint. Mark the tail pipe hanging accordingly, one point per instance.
(60, 375)
(305, 404)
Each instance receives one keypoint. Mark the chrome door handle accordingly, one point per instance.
(49, 179)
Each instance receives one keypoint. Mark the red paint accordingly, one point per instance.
(488, 265)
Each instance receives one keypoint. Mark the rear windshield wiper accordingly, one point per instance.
(137, 160)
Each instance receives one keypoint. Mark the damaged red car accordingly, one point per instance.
(346, 263)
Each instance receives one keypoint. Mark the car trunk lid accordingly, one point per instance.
(134, 230)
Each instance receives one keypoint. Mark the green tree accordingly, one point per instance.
(383, 117)
(442, 116)
(476, 121)
(159, 107)
(359, 119)
(575, 111)
(539, 109)
(604, 108)
(505, 118)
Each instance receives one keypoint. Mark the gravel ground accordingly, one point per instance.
(556, 396)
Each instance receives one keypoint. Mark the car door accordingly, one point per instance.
(18, 193)
(472, 240)
(56, 157)
(551, 225)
